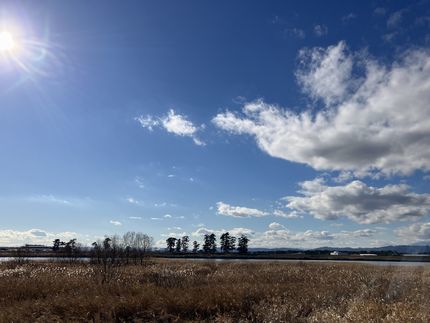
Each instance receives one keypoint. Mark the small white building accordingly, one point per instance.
(334, 253)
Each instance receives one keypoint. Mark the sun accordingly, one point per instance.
(7, 42)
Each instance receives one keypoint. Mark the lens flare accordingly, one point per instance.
(7, 42)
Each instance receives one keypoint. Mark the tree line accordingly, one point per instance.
(227, 244)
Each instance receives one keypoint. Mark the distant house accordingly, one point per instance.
(334, 253)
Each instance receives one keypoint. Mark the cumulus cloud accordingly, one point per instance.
(32, 236)
(238, 211)
(115, 222)
(415, 232)
(359, 202)
(325, 73)
(376, 118)
(173, 123)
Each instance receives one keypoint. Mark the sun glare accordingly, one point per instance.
(7, 42)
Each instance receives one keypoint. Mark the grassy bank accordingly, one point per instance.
(224, 292)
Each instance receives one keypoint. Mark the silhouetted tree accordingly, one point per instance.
(227, 242)
(243, 244)
(71, 249)
(178, 245)
(195, 246)
(184, 243)
(170, 244)
(56, 245)
(209, 245)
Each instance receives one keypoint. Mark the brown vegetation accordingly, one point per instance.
(169, 290)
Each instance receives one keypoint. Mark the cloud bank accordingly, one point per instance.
(359, 202)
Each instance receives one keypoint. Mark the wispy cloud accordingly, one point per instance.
(50, 199)
(295, 32)
(173, 123)
(115, 222)
(320, 30)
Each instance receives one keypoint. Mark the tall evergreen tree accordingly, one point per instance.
(196, 246)
(209, 245)
(184, 243)
(243, 244)
(227, 242)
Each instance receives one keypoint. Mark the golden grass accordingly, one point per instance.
(172, 291)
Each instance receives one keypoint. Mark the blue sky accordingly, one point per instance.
(300, 123)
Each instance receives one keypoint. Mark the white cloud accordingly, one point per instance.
(359, 202)
(115, 222)
(415, 232)
(135, 217)
(275, 226)
(167, 216)
(238, 211)
(320, 30)
(173, 123)
(378, 121)
(32, 236)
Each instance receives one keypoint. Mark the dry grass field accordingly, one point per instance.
(176, 291)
